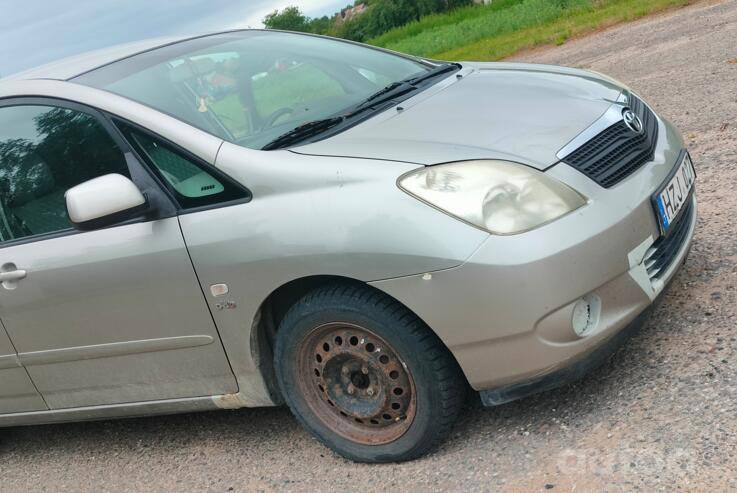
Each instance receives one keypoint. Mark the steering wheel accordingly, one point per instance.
(272, 118)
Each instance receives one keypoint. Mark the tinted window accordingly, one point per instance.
(189, 181)
(44, 151)
(250, 87)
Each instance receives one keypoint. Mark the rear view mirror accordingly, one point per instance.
(104, 201)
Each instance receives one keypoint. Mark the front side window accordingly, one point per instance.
(250, 87)
(44, 151)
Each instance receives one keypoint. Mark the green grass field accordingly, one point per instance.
(505, 27)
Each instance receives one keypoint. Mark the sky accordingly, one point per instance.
(34, 32)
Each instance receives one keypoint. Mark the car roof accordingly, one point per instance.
(68, 68)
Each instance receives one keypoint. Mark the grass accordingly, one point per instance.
(505, 27)
(440, 20)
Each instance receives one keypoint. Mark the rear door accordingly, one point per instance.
(17, 393)
(99, 317)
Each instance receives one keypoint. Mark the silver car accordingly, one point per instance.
(258, 217)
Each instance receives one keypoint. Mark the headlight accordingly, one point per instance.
(498, 196)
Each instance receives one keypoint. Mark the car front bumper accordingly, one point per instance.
(506, 313)
(575, 370)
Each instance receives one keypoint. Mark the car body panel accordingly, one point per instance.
(109, 411)
(113, 316)
(311, 216)
(517, 112)
(17, 393)
(545, 270)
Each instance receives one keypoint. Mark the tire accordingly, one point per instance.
(365, 375)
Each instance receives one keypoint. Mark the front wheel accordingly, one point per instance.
(365, 375)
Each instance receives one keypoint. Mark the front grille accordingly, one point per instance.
(617, 152)
(661, 255)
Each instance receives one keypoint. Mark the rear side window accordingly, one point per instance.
(44, 151)
(188, 180)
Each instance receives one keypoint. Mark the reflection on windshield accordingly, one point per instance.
(250, 87)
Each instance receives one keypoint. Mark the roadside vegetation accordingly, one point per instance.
(363, 19)
(505, 27)
(461, 30)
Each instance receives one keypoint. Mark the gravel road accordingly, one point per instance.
(660, 416)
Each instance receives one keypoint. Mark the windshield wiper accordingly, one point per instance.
(402, 87)
(434, 72)
(391, 91)
(304, 131)
(385, 95)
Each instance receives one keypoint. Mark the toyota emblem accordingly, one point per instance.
(632, 121)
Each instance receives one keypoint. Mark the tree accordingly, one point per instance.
(289, 19)
(321, 25)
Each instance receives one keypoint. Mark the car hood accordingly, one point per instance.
(519, 112)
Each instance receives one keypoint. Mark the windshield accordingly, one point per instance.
(250, 87)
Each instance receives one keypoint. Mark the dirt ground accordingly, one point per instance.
(660, 416)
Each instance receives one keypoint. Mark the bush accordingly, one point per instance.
(385, 15)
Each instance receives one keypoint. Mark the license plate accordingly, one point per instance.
(671, 199)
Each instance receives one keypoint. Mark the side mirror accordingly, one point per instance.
(104, 201)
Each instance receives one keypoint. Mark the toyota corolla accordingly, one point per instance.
(258, 217)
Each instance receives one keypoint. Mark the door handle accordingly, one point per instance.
(10, 275)
(13, 275)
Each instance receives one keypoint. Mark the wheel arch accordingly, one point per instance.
(275, 306)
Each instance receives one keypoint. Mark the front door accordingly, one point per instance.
(99, 317)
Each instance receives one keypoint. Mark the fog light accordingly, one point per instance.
(585, 316)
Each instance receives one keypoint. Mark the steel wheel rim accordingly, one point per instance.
(356, 384)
